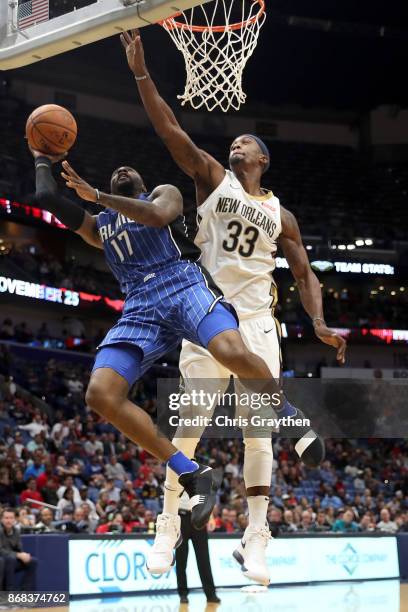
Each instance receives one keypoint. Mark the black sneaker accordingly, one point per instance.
(201, 486)
(309, 446)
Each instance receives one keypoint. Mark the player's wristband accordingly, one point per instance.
(141, 78)
(47, 197)
(43, 162)
(98, 196)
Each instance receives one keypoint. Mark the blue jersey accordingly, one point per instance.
(133, 251)
(168, 293)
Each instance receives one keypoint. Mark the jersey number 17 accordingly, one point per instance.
(125, 248)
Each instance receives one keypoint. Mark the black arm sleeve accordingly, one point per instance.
(47, 197)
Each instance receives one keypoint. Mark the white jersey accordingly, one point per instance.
(237, 236)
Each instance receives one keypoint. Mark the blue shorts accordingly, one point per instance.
(179, 303)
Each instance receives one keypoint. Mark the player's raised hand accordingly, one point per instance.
(329, 336)
(53, 158)
(133, 45)
(75, 182)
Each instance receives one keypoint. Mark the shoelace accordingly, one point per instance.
(263, 533)
(162, 528)
(164, 523)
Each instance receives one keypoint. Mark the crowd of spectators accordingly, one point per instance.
(69, 333)
(38, 264)
(94, 480)
(362, 305)
(362, 486)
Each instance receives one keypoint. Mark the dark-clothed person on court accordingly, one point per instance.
(199, 538)
(13, 557)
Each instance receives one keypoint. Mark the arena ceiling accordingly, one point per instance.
(323, 53)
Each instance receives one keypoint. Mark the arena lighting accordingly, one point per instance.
(344, 332)
(354, 267)
(387, 335)
(364, 268)
(382, 334)
(350, 247)
(33, 212)
(69, 297)
(281, 263)
(368, 242)
(342, 247)
(359, 242)
(58, 295)
(322, 266)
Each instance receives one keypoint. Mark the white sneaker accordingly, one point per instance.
(251, 554)
(161, 556)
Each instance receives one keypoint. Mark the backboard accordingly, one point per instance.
(32, 30)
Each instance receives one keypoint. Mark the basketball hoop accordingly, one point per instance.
(215, 54)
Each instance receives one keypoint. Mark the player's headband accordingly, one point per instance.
(263, 148)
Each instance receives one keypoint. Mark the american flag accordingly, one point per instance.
(33, 12)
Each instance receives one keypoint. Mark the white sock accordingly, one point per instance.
(171, 500)
(257, 510)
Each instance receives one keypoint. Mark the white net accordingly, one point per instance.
(216, 40)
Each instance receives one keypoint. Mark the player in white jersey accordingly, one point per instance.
(239, 225)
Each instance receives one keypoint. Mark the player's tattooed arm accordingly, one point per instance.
(164, 205)
(196, 163)
(307, 282)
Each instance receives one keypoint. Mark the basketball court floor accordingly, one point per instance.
(370, 596)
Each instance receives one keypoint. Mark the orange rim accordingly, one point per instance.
(172, 24)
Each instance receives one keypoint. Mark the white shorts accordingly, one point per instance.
(260, 334)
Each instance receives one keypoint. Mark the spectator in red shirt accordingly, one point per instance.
(223, 523)
(128, 489)
(31, 493)
(129, 523)
(113, 526)
(48, 474)
(142, 476)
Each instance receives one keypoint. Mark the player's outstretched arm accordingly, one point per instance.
(195, 162)
(164, 205)
(307, 282)
(69, 213)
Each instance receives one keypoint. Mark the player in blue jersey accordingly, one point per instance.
(168, 297)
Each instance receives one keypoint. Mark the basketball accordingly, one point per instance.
(51, 129)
